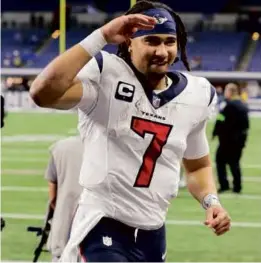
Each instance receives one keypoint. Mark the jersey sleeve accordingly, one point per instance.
(90, 76)
(212, 100)
(50, 173)
(197, 143)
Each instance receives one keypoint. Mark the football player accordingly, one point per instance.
(137, 121)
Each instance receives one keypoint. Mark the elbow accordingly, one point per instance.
(36, 97)
(40, 92)
(46, 89)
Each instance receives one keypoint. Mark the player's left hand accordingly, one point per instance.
(218, 219)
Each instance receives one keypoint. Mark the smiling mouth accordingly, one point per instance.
(163, 63)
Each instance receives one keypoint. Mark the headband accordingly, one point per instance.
(165, 23)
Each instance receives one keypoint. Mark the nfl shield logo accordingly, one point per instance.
(107, 241)
(155, 101)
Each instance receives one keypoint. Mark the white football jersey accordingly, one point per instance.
(135, 139)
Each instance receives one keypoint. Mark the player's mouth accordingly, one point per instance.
(159, 63)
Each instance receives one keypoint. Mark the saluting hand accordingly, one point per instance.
(121, 28)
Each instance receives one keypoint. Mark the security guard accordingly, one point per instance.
(231, 128)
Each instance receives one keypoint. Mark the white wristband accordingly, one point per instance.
(209, 200)
(94, 43)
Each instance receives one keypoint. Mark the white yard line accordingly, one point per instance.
(22, 172)
(198, 223)
(247, 166)
(73, 131)
(250, 179)
(24, 160)
(32, 138)
(22, 216)
(23, 189)
(55, 137)
(45, 189)
(230, 196)
(30, 159)
(10, 151)
(252, 166)
(7, 157)
(168, 222)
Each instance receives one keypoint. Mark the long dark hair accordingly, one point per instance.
(143, 5)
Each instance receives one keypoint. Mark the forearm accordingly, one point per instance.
(201, 182)
(58, 76)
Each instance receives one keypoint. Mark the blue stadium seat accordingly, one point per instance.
(21, 44)
(216, 50)
(255, 64)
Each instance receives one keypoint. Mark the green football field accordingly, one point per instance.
(25, 141)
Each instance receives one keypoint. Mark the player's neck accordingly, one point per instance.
(152, 81)
(157, 82)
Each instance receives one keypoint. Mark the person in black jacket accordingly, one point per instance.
(231, 128)
(2, 111)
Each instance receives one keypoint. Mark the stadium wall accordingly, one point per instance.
(20, 101)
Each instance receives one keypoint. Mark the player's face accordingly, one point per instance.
(227, 93)
(153, 53)
(229, 90)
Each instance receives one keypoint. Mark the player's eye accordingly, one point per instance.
(170, 42)
(153, 41)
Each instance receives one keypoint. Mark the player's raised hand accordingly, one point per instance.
(121, 28)
(218, 219)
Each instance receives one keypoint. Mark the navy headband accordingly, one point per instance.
(165, 23)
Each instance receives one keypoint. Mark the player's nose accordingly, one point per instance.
(161, 51)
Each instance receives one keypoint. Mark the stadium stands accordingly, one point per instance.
(19, 45)
(206, 50)
(255, 64)
(218, 50)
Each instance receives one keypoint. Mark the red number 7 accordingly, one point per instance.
(160, 134)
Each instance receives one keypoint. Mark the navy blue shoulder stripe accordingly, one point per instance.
(99, 59)
(212, 94)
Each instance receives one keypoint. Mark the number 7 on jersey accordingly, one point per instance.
(160, 134)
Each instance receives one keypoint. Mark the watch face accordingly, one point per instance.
(210, 200)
